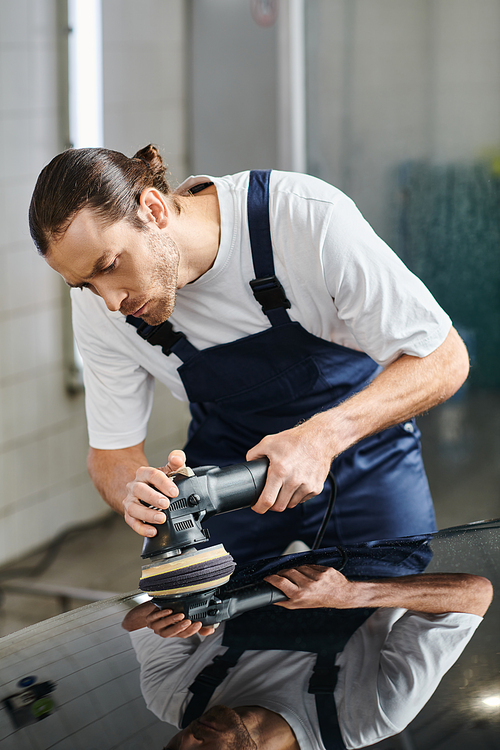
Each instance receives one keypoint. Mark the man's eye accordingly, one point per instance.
(110, 267)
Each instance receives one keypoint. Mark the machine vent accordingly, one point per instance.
(184, 525)
(179, 504)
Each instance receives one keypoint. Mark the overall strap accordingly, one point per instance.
(266, 288)
(206, 683)
(164, 335)
(321, 685)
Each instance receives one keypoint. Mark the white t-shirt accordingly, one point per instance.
(344, 284)
(389, 669)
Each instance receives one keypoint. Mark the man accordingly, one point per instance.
(285, 308)
(410, 631)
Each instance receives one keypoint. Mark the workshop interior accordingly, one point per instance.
(396, 103)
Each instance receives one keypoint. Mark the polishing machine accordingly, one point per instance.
(182, 578)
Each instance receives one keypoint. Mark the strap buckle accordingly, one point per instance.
(164, 335)
(269, 293)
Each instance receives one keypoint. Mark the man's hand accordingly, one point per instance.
(168, 625)
(313, 587)
(154, 487)
(123, 478)
(162, 622)
(299, 462)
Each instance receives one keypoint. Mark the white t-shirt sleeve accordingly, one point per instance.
(390, 668)
(387, 309)
(119, 392)
(163, 668)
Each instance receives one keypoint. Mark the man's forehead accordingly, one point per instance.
(89, 224)
(84, 248)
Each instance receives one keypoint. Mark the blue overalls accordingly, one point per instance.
(268, 382)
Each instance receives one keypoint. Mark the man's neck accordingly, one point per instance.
(196, 230)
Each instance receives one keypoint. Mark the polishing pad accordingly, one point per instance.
(188, 572)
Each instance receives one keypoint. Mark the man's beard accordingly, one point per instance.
(236, 736)
(165, 270)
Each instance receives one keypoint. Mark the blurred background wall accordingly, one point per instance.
(44, 486)
(402, 112)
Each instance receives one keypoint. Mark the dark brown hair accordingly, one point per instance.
(107, 181)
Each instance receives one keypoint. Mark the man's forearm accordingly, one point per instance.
(408, 387)
(111, 470)
(435, 593)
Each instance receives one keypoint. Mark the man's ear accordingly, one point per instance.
(153, 208)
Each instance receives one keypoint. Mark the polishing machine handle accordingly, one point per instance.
(235, 487)
(253, 597)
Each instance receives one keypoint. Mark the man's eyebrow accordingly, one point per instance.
(100, 264)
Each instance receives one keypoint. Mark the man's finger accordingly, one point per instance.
(157, 481)
(300, 496)
(282, 501)
(157, 615)
(207, 630)
(268, 496)
(140, 511)
(176, 460)
(183, 629)
(312, 572)
(297, 576)
(288, 587)
(141, 528)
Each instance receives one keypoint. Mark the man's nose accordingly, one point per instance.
(189, 742)
(112, 297)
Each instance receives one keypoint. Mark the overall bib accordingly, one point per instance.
(268, 382)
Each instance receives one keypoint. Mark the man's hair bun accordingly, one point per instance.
(151, 155)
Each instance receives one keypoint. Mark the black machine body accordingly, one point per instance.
(216, 605)
(209, 490)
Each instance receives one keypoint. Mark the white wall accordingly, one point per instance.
(145, 85)
(396, 80)
(44, 485)
(233, 89)
(145, 78)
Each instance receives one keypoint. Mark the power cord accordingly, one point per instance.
(326, 521)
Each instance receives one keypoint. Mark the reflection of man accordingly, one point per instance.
(387, 670)
(289, 367)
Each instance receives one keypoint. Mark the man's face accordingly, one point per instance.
(135, 272)
(220, 728)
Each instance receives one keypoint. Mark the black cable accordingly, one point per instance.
(328, 512)
(326, 520)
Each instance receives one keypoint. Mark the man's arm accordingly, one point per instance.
(300, 458)
(315, 586)
(123, 478)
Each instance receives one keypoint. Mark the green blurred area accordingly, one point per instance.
(449, 236)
